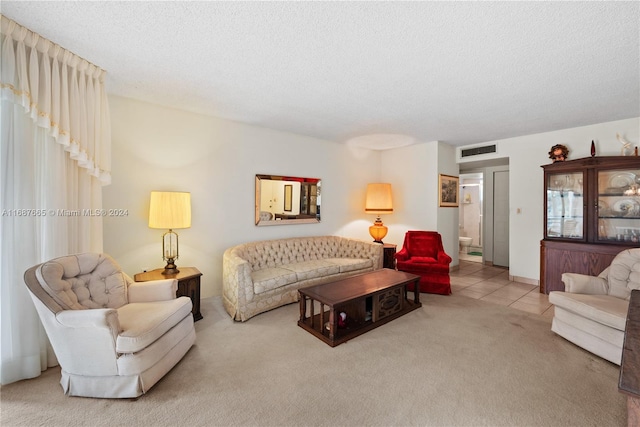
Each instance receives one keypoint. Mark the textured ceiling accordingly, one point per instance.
(457, 72)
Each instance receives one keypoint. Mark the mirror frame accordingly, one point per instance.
(283, 221)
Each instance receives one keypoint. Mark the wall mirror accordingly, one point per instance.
(287, 200)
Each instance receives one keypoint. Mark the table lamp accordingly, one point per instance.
(378, 202)
(170, 210)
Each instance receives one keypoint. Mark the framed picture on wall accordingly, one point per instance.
(448, 191)
(288, 193)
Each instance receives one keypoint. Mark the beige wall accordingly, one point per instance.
(413, 172)
(526, 154)
(158, 148)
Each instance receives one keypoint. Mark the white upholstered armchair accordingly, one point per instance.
(592, 310)
(114, 338)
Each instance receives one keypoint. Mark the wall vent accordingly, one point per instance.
(478, 150)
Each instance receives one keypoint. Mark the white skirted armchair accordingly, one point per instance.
(113, 337)
(592, 310)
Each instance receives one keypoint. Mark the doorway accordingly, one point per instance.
(491, 179)
(470, 216)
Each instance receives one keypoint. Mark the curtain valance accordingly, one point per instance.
(61, 92)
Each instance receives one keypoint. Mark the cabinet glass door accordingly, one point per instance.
(619, 205)
(313, 199)
(565, 205)
(304, 199)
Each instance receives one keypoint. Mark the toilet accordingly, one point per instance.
(465, 244)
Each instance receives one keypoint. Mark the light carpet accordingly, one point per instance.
(454, 362)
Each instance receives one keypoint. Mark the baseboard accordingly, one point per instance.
(524, 280)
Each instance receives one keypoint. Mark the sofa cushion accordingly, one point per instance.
(282, 252)
(605, 309)
(423, 259)
(312, 269)
(142, 323)
(272, 278)
(140, 361)
(351, 264)
(350, 248)
(624, 274)
(89, 280)
(423, 243)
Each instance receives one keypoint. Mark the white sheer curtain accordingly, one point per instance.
(55, 157)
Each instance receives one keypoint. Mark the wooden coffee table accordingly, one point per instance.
(369, 300)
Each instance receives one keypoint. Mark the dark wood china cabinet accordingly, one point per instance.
(308, 199)
(591, 213)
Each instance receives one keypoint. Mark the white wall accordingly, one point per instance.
(157, 148)
(413, 172)
(526, 191)
(448, 225)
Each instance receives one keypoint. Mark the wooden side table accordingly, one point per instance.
(188, 284)
(389, 256)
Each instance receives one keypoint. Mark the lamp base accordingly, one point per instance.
(378, 230)
(171, 267)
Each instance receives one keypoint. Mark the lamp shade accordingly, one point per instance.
(378, 199)
(170, 209)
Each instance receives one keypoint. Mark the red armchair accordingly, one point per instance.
(422, 254)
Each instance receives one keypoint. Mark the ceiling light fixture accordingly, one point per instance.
(381, 141)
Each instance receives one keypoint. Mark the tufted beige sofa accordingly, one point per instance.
(260, 276)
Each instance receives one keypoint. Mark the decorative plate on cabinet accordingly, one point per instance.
(627, 207)
(622, 179)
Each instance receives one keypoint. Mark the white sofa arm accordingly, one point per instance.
(90, 318)
(377, 255)
(85, 341)
(583, 284)
(153, 290)
(237, 285)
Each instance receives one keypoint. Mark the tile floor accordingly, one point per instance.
(492, 284)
